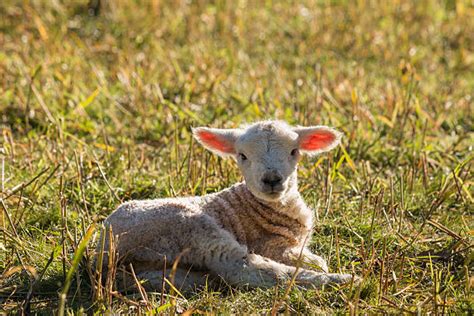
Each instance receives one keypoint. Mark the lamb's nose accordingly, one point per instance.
(272, 178)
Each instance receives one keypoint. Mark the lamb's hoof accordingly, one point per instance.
(340, 278)
(311, 279)
(343, 279)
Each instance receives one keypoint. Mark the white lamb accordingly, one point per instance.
(250, 235)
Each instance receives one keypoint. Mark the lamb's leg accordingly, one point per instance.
(183, 280)
(314, 260)
(258, 271)
(308, 260)
(223, 256)
(236, 266)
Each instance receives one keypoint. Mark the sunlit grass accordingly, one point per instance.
(97, 109)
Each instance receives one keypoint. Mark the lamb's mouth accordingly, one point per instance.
(274, 192)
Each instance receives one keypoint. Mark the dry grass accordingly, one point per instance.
(97, 109)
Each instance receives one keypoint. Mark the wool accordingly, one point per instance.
(258, 218)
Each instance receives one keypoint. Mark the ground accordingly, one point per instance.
(97, 102)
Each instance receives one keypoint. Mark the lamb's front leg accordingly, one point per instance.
(304, 258)
(237, 267)
(257, 271)
(222, 255)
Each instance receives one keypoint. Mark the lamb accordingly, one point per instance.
(249, 235)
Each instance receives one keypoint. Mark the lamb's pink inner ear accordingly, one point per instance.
(215, 142)
(320, 139)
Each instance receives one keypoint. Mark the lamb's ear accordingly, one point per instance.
(219, 141)
(317, 139)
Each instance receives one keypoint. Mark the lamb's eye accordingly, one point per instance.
(242, 156)
(294, 152)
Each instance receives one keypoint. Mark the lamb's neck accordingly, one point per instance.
(293, 205)
(248, 217)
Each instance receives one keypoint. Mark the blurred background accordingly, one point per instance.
(97, 98)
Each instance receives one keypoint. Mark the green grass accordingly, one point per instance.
(95, 110)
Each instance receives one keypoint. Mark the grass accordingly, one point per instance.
(97, 109)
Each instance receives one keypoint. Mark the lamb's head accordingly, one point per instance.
(268, 152)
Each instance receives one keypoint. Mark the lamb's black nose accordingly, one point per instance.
(272, 178)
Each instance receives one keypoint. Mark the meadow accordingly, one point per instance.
(97, 101)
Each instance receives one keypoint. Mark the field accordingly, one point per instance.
(97, 104)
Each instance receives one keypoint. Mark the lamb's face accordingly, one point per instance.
(267, 155)
(268, 152)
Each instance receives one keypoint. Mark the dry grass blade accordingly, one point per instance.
(140, 288)
(299, 261)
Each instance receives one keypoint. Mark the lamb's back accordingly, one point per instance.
(140, 213)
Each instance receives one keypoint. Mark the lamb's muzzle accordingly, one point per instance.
(250, 234)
